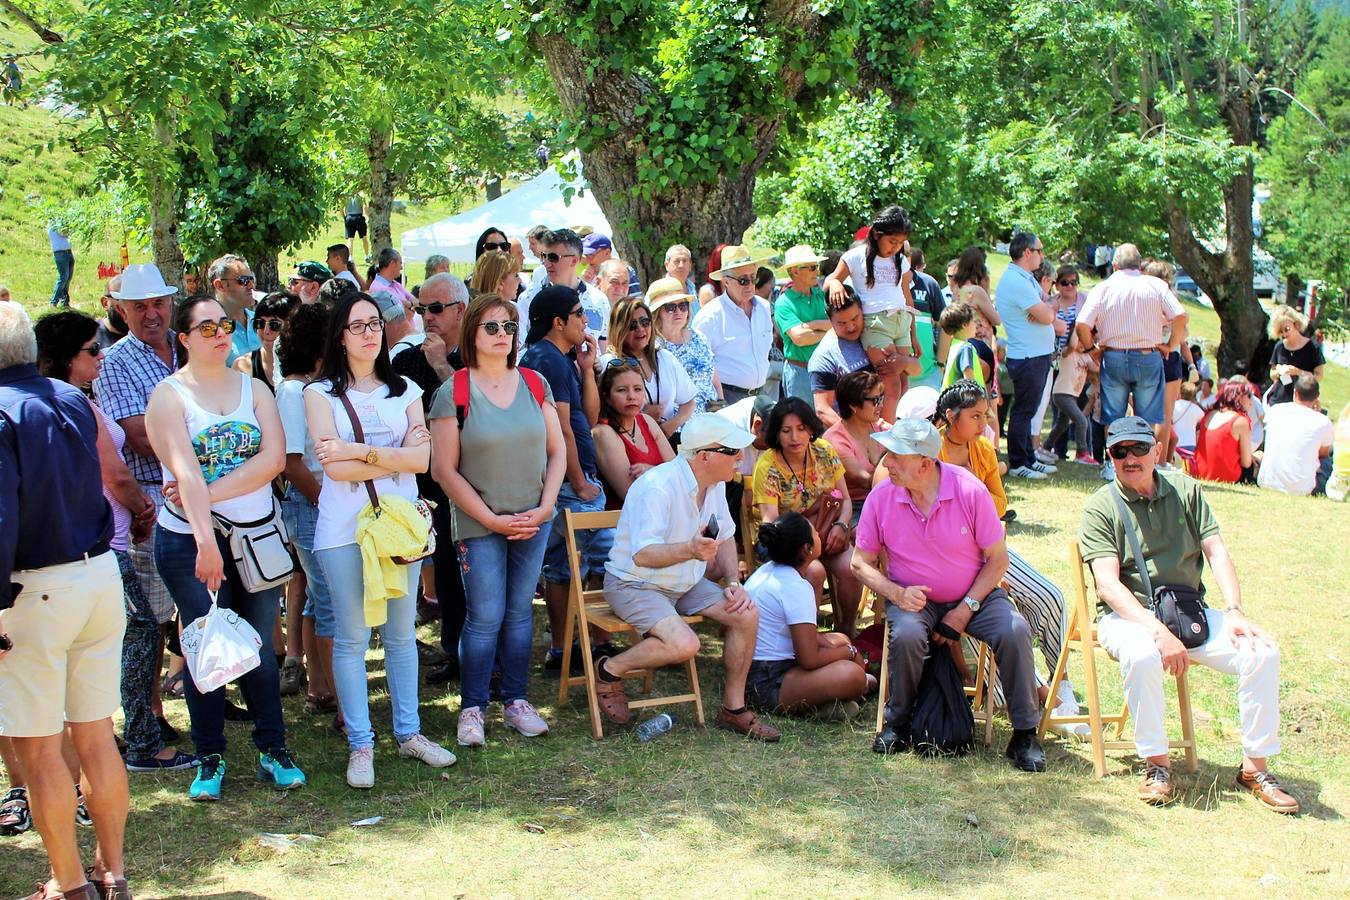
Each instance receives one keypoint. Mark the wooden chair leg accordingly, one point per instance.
(1187, 726)
(1056, 679)
(1093, 699)
(569, 629)
(883, 686)
(989, 683)
(696, 690)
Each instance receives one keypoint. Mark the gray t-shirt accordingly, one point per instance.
(833, 359)
(503, 453)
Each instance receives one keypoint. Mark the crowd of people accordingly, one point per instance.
(423, 445)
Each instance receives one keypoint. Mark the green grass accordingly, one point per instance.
(699, 810)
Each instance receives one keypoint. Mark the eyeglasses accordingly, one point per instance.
(644, 322)
(578, 313)
(628, 362)
(292, 282)
(677, 306)
(725, 451)
(1073, 283)
(93, 351)
(875, 400)
(742, 280)
(246, 279)
(495, 327)
(1120, 451)
(493, 245)
(1040, 249)
(434, 308)
(268, 324)
(360, 328)
(558, 257)
(806, 267)
(208, 328)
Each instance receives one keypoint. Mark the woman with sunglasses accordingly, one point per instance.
(632, 339)
(496, 272)
(68, 350)
(492, 239)
(671, 304)
(219, 436)
(633, 442)
(799, 473)
(268, 318)
(859, 395)
(395, 447)
(501, 460)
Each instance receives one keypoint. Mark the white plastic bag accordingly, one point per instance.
(219, 647)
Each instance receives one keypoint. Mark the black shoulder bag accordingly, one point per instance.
(1180, 607)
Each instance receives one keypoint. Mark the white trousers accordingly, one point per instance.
(1257, 669)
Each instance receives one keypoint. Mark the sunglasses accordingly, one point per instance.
(209, 329)
(93, 351)
(627, 362)
(725, 451)
(644, 322)
(578, 313)
(742, 280)
(806, 267)
(677, 306)
(495, 328)
(360, 328)
(1073, 283)
(558, 257)
(245, 279)
(1120, 451)
(267, 324)
(493, 245)
(434, 308)
(875, 400)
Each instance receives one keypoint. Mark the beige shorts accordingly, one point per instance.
(885, 329)
(642, 605)
(66, 665)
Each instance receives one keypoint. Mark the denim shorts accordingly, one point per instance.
(764, 681)
(592, 545)
(300, 516)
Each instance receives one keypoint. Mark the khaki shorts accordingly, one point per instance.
(66, 665)
(642, 605)
(885, 329)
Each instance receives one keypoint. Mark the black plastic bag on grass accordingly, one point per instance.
(941, 723)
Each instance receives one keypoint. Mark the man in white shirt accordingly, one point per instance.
(560, 251)
(1298, 438)
(674, 539)
(338, 257)
(738, 326)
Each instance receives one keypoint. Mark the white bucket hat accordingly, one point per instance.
(142, 281)
(801, 255)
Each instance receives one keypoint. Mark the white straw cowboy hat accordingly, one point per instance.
(142, 281)
(666, 290)
(735, 257)
(801, 255)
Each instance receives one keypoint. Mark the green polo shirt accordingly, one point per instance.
(792, 309)
(1170, 528)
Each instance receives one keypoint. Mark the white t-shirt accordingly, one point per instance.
(1258, 417)
(384, 420)
(669, 385)
(742, 412)
(1294, 434)
(346, 275)
(1186, 415)
(784, 598)
(885, 293)
(412, 340)
(291, 405)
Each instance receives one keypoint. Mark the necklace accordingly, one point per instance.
(800, 479)
(631, 431)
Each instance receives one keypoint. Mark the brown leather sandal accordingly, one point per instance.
(107, 887)
(748, 724)
(613, 701)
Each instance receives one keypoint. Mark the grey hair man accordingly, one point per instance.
(680, 266)
(437, 263)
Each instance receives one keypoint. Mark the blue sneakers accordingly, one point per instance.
(277, 768)
(210, 774)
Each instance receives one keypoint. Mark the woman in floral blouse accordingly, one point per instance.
(669, 303)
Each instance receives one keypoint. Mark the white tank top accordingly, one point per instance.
(222, 444)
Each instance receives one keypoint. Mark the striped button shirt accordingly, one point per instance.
(131, 370)
(1130, 310)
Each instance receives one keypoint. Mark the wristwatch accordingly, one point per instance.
(372, 456)
(972, 603)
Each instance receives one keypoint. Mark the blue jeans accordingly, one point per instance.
(65, 268)
(1137, 374)
(593, 545)
(499, 581)
(797, 383)
(342, 568)
(300, 515)
(1029, 377)
(176, 559)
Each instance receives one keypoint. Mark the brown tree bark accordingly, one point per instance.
(383, 183)
(164, 246)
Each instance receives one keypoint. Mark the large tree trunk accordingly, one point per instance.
(383, 182)
(266, 270)
(164, 246)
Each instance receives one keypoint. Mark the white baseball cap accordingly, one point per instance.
(709, 430)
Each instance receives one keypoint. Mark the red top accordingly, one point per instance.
(1218, 457)
(636, 455)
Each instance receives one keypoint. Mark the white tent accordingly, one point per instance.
(538, 201)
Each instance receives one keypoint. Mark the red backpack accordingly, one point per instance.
(460, 390)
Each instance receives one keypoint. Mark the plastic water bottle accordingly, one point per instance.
(655, 727)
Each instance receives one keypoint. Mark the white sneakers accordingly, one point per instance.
(521, 716)
(1028, 473)
(421, 748)
(1045, 456)
(470, 730)
(361, 768)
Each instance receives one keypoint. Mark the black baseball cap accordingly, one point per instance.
(554, 302)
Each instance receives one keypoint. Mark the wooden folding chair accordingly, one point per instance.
(1081, 635)
(587, 608)
(982, 694)
(747, 535)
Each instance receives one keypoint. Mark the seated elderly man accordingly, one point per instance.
(945, 557)
(1176, 532)
(674, 539)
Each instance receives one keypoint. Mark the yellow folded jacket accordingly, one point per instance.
(396, 530)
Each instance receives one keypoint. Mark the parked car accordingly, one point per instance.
(1186, 284)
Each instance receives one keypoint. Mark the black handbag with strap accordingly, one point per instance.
(1180, 607)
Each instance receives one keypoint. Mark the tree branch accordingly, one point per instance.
(46, 34)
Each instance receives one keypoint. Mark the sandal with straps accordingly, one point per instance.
(15, 817)
(748, 724)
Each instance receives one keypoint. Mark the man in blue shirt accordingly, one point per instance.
(1028, 321)
(232, 281)
(557, 331)
(62, 616)
(64, 258)
(837, 354)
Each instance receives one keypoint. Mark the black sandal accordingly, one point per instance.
(15, 817)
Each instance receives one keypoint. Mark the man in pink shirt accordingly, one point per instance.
(945, 557)
(1132, 313)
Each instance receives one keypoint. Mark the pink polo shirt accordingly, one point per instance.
(943, 550)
